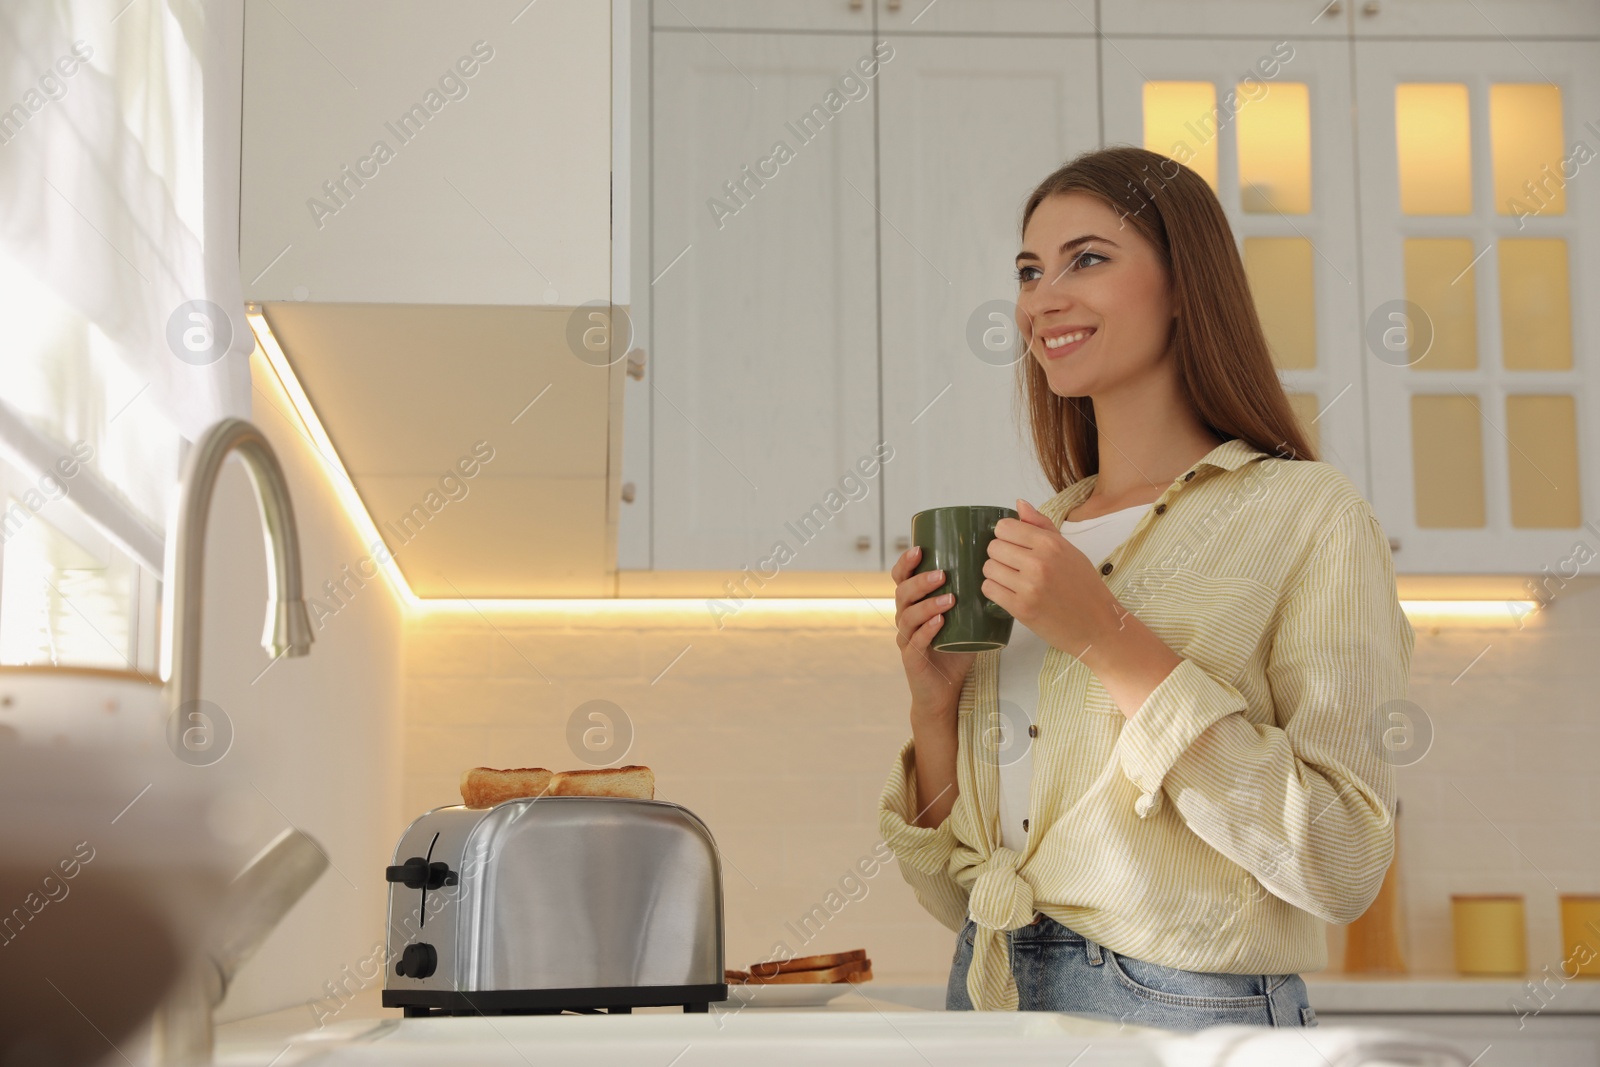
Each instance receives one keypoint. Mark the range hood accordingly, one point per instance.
(485, 450)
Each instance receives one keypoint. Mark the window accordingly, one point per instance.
(119, 191)
(69, 594)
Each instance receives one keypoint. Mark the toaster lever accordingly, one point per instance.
(418, 873)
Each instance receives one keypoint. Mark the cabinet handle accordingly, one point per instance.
(1370, 7)
(855, 5)
(1335, 8)
(863, 543)
(627, 492)
(636, 364)
(894, 5)
(902, 543)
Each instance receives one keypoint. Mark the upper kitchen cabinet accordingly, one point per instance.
(1296, 20)
(426, 241)
(809, 15)
(431, 153)
(983, 17)
(968, 128)
(764, 368)
(1489, 19)
(1267, 123)
(1475, 222)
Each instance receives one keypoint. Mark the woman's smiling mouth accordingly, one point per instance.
(1059, 343)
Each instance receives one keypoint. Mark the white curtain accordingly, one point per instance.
(119, 184)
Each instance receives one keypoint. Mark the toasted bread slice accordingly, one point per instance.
(484, 787)
(630, 781)
(841, 973)
(733, 975)
(860, 976)
(807, 963)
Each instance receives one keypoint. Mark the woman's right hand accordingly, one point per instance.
(934, 677)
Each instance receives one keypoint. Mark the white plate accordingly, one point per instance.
(782, 994)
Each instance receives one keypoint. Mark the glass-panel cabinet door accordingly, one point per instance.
(1267, 124)
(1477, 231)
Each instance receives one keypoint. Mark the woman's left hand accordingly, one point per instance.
(1048, 584)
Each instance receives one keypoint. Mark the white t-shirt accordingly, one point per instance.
(1021, 662)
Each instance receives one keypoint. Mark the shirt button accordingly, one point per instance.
(1161, 509)
(1033, 730)
(1189, 477)
(1105, 568)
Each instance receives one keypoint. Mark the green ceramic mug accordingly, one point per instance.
(956, 541)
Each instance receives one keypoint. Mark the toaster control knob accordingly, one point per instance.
(418, 873)
(417, 961)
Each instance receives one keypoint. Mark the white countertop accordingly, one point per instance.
(1334, 993)
(878, 1024)
(1421, 994)
(856, 1028)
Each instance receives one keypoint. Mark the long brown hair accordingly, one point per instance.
(1224, 365)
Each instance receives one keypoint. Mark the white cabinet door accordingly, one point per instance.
(764, 361)
(979, 17)
(1478, 242)
(1296, 20)
(1488, 19)
(763, 15)
(969, 128)
(1296, 226)
(408, 152)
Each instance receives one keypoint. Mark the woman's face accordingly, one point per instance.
(1082, 269)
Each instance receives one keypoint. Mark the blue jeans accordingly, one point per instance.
(1057, 969)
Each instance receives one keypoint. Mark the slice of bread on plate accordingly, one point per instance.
(807, 963)
(484, 787)
(629, 781)
(850, 971)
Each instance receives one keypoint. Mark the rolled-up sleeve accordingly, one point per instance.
(923, 852)
(1184, 706)
(1304, 803)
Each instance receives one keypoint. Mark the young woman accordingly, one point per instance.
(1207, 632)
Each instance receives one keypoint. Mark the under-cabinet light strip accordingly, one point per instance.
(338, 475)
(1512, 611)
(848, 608)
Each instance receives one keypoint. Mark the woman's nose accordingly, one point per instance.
(1039, 306)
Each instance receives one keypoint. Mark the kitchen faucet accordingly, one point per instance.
(288, 630)
(264, 891)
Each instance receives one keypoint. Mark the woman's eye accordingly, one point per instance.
(1077, 262)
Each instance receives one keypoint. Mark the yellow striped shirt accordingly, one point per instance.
(1248, 802)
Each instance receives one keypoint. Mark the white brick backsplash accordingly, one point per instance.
(1457, 745)
(517, 653)
(1504, 799)
(1544, 750)
(699, 657)
(448, 655)
(1462, 848)
(1563, 850)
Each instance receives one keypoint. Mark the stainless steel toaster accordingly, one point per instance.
(552, 904)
